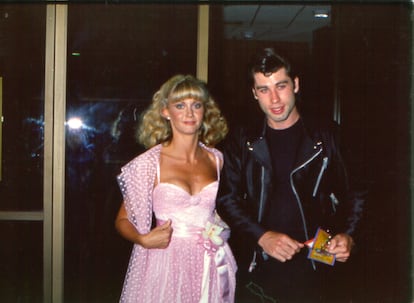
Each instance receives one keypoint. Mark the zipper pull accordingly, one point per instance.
(334, 201)
(318, 181)
(253, 263)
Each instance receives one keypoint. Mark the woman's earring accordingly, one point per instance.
(168, 118)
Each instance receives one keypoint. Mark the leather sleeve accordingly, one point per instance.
(352, 196)
(233, 204)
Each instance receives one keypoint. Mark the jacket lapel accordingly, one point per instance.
(307, 149)
(260, 151)
(257, 145)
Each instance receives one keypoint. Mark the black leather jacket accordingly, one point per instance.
(319, 182)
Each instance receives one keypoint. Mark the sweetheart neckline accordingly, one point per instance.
(183, 190)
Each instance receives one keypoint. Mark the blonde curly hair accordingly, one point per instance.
(155, 129)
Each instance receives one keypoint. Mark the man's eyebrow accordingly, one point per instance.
(282, 82)
(260, 86)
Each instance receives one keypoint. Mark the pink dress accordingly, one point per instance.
(193, 268)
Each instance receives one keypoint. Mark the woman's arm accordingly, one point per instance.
(159, 237)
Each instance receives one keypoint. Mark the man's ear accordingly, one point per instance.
(296, 85)
(254, 93)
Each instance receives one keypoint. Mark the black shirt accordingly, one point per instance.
(282, 213)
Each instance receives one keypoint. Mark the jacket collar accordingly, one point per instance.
(257, 144)
(310, 144)
(307, 149)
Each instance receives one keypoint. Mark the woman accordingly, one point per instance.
(185, 257)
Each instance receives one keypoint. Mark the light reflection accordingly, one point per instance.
(74, 123)
(99, 131)
(77, 123)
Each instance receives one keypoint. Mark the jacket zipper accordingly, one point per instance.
(259, 217)
(318, 181)
(298, 198)
(260, 214)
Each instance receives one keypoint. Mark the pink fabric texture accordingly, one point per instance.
(190, 270)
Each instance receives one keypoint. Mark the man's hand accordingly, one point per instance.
(341, 246)
(279, 246)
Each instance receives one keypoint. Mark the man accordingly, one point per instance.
(281, 181)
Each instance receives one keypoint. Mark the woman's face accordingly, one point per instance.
(185, 116)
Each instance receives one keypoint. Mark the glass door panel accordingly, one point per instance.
(118, 56)
(22, 60)
(22, 32)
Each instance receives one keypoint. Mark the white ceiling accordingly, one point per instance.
(273, 22)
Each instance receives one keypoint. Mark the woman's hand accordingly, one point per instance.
(159, 237)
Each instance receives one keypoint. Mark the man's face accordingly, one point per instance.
(276, 96)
